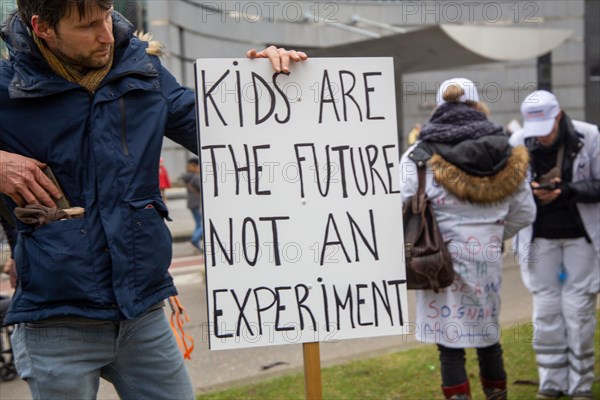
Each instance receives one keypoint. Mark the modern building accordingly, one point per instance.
(508, 48)
(6, 7)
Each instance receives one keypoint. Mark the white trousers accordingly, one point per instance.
(562, 276)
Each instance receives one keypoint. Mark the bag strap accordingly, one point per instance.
(559, 159)
(419, 155)
(418, 201)
(422, 179)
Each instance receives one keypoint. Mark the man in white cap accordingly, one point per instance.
(559, 254)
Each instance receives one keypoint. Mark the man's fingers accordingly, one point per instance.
(26, 196)
(266, 53)
(298, 56)
(36, 188)
(48, 185)
(546, 195)
(279, 57)
(271, 53)
(18, 199)
(38, 164)
(40, 195)
(284, 58)
(23, 180)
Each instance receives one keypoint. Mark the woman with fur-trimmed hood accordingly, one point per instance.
(477, 185)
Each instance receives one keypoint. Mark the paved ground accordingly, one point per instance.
(215, 369)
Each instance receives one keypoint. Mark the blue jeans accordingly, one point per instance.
(197, 235)
(64, 358)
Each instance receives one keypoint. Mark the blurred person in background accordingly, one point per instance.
(164, 182)
(194, 200)
(476, 183)
(560, 252)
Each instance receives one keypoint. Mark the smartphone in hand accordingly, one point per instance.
(547, 186)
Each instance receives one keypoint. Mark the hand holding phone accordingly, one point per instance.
(547, 186)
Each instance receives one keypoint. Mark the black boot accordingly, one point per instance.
(494, 390)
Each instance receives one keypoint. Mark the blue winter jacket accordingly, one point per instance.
(104, 149)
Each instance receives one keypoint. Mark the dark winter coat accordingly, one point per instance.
(104, 149)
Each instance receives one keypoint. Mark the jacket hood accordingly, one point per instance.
(481, 171)
(22, 51)
(11, 29)
(472, 158)
(484, 156)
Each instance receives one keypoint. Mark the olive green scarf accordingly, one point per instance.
(90, 80)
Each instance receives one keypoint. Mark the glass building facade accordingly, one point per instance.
(6, 7)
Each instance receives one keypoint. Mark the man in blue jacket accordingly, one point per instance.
(80, 94)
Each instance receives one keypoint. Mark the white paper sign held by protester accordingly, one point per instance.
(302, 211)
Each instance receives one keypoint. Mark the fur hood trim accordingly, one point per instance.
(154, 47)
(482, 189)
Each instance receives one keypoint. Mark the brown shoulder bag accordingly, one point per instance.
(428, 261)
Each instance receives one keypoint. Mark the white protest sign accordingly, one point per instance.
(302, 210)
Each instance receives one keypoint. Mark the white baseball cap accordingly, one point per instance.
(467, 86)
(539, 111)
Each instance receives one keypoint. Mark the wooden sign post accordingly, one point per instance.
(312, 371)
(301, 204)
